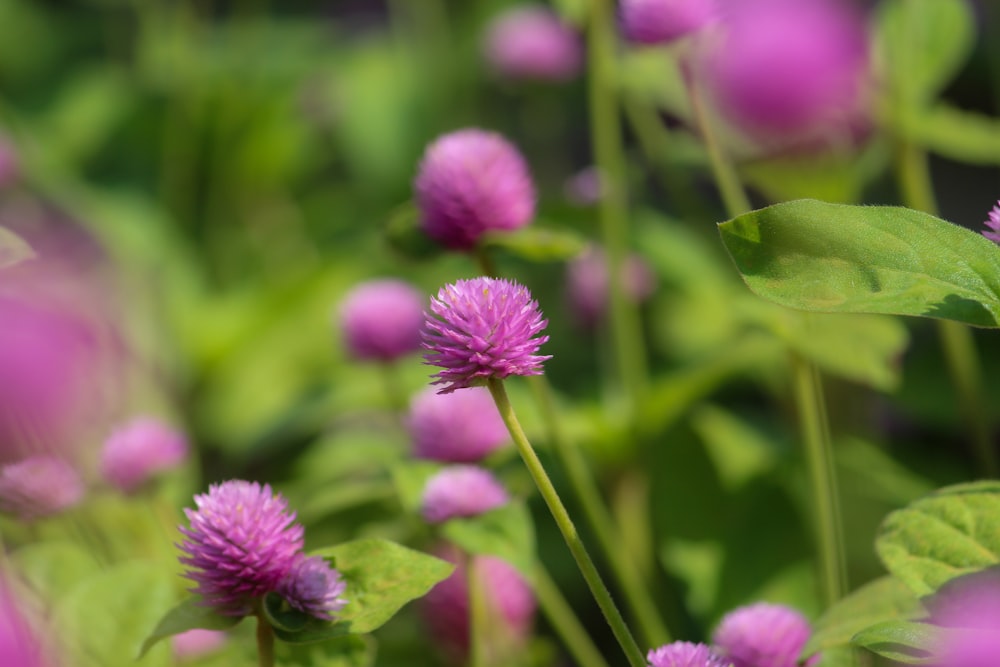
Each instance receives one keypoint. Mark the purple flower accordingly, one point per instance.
(461, 491)
(197, 643)
(20, 645)
(481, 329)
(967, 610)
(586, 187)
(588, 283)
(39, 486)
(684, 654)
(313, 587)
(241, 544)
(381, 320)
(994, 224)
(462, 427)
(471, 182)
(762, 635)
(663, 21)
(530, 42)
(140, 449)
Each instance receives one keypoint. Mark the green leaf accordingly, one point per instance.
(13, 249)
(945, 535)
(188, 615)
(381, 577)
(506, 533)
(350, 651)
(816, 256)
(837, 657)
(535, 244)
(52, 568)
(903, 641)
(954, 133)
(884, 599)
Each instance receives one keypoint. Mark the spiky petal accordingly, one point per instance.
(993, 222)
(684, 654)
(762, 635)
(313, 587)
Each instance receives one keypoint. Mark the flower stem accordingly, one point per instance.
(599, 518)
(566, 527)
(265, 641)
(574, 636)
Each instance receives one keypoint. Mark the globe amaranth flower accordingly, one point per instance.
(461, 491)
(138, 450)
(762, 635)
(381, 320)
(967, 612)
(196, 643)
(588, 288)
(313, 587)
(241, 544)
(529, 42)
(684, 654)
(470, 182)
(993, 222)
(482, 329)
(664, 21)
(39, 486)
(462, 427)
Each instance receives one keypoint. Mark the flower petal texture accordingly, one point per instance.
(461, 427)
(967, 609)
(684, 654)
(313, 587)
(39, 486)
(530, 42)
(241, 544)
(138, 450)
(664, 21)
(993, 222)
(461, 491)
(762, 635)
(381, 320)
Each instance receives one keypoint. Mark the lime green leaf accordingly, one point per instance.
(507, 533)
(350, 651)
(52, 568)
(903, 641)
(837, 657)
(13, 249)
(945, 535)
(537, 245)
(960, 135)
(866, 259)
(188, 615)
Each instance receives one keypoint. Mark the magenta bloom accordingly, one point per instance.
(481, 329)
(241, 544)
(789, 66)
(471, 182)
(313, 587)
(588, 284)
(461, 491)
(462, 427)
(684, 654)
(994, 224)
(381, 320)
(196, 643)
(664, 21)
(20, 645)
(39, 486)
(530, 42)
(762, 635)
(140, 449)
(967, 610)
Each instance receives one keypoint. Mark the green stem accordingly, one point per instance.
(600, 520)
(574, 636)
(609, 156)
(265, 641)
(822, 477)
(566, 527)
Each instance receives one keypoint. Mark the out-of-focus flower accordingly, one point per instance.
(762, 635)
(470, 182)
(20, 645)
(140, 449)
(241, 544)
(313, 587)
(461, 491)
(789, 67)
(511, 602)
(483, 328)
(381, 320)
(664, 21)
(684, 654)
(462, 427)
(587, 283)
(39, 486)
(967, 610)
(196, 643)
(586, 187)
(530, 42)
(993, 222)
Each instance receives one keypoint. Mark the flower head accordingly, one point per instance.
(530, 42)
(483, 328)
(684, 654)
(196, 643)
(993, 222)
(762, 635)
(313, 587)
(663, 21)
(471, 182)
(241, 544)
(138, 450)
(39, 486)
(462, 427)
(381, 320)
(461, 491)
(967, 610)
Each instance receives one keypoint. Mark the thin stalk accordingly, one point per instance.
(574, 636)
(265, 641)
(609, 538)
(566, 527)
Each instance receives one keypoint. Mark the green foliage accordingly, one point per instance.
(506, 532)
(536, 244)
(902, 641)
(191, 614)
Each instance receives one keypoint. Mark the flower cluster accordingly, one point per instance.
(530, 42)
(39, 486)
(243, 543)
(140, 449)
(381, 320)
(684, 654)
(461, 491)
(762, 635)
(993, 222)
(461, 427)
(663, 21)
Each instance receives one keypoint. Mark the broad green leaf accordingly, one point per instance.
(52, 568)
(381, 577)
(945, 535)
(535, 244)
(961, 135)
(13, 249)
(188, 615)
(812, 255)
(884, 599)
(903, 641)
(507, 533)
